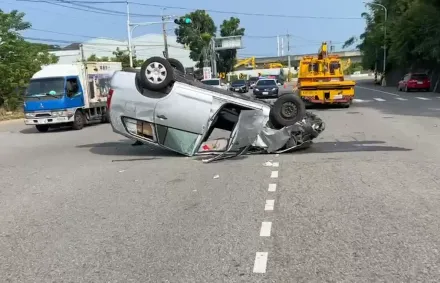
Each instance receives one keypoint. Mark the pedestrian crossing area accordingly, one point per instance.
(397, 98)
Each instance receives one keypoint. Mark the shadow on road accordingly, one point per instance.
(126, 148)
(32, 130)
(350, 146)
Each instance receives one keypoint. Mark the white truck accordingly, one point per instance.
(69, 95)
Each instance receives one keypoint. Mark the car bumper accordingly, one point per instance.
(344, 99)
(48, 120)
(266, 94)
(238, 89)
(417, 86)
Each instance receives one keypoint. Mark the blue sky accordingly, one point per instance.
(306, 33)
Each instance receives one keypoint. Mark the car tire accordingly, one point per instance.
(176, 64)
(42, 128)
(287, 110)
(162, 78)
(78, 121)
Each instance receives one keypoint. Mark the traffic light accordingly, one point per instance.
(183, 21)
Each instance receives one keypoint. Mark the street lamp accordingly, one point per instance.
(384, 38)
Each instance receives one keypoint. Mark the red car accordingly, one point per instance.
(414, 81)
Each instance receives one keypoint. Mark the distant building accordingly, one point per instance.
(144, 46)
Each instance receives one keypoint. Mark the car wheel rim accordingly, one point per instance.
(156, 73)
(289, 110)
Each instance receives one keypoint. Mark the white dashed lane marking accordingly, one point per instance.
(400, 98)
(379, 99)
(422, 98)
(260, 263)
(270, 203)
(272, 187)
(265, 229)
(274, 174)
(276, 164)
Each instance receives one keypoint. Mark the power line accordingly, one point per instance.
(216, 11)
(87, 8)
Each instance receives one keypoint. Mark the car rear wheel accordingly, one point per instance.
(176, 65)
(156, 73)
(287, 110)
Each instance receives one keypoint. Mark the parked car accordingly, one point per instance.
(414, 81)
(162, 106)
(215, 83)
(239, 86)
(266, 88)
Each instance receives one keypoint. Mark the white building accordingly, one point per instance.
(144, 46)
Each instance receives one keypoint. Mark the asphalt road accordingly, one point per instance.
(360, 205)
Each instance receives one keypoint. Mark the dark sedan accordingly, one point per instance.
(239, 86)
(266, 88)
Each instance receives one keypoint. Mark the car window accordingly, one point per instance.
(266, 82)
(211, 82)
(178, 140)
(419, 76)
(239, 82)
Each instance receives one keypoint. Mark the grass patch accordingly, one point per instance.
(10, 115)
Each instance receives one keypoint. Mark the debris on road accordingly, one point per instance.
(216, 177)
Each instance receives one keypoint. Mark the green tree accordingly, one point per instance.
(93, 58)
(19, 59)
(413, 35)
(123, 57)
(197, 35)
(228, 58)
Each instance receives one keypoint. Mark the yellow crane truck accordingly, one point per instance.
(321, 80)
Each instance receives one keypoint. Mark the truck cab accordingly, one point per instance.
(66, 95)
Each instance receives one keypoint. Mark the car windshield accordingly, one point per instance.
(239, 82)
(45, 87)
(419, 76)
(266, 83)
(211, 82)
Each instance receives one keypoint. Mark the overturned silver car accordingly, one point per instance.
(160, 105)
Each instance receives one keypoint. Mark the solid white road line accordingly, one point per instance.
(372, 89)
(270, 203)
(260, 263)
(400, 98)
(265, 229)
(422, 98)
(272, 187)
(274, 174)
(276, 164)
(379, 99)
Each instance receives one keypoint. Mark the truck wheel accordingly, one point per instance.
(156, 73)
(177, 65)
(78, 121)
(42, 128)
(105, 118)
(287, 110)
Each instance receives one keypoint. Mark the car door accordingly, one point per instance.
(182, 117)
(74, 93)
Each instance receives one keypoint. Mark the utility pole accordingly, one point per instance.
(214, 57)
(130, 53)
(81, 49)
(289, 64)
(165, 40)
(282, 46)
(278, 45)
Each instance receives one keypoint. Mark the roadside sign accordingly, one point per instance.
(207, 73)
